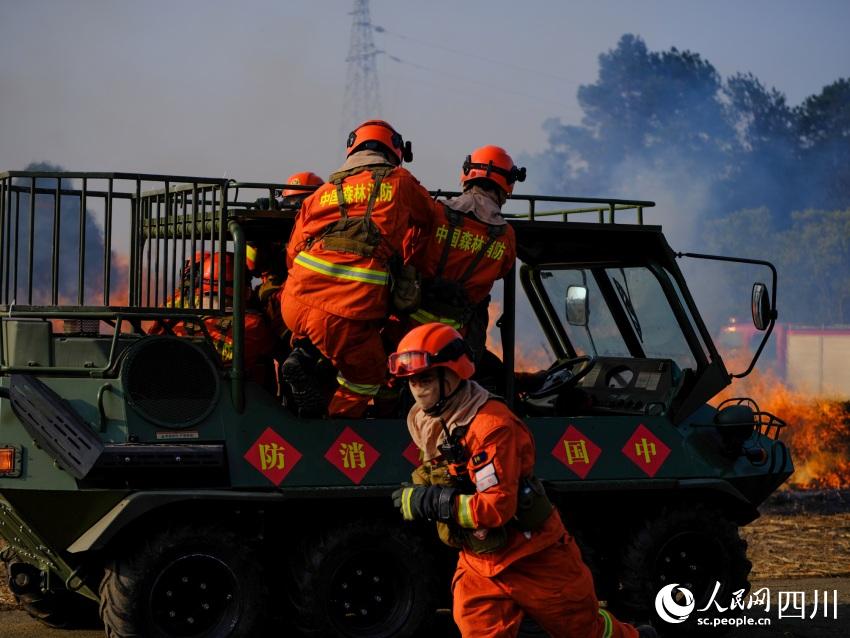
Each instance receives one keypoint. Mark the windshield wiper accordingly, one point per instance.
(627, 303)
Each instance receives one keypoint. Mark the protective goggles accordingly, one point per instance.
(412, 362)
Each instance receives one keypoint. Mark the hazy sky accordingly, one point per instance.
(254, 89)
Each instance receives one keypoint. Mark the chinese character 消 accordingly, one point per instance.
(353, 455)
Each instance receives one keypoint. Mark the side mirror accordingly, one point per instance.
(577, 307)
(761, 306)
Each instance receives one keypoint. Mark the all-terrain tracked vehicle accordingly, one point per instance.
(146, 474)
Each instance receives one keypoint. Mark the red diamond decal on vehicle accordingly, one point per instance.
(352, 455)
(273, 456)
(646, 450)
(413, 454)
(576, 451)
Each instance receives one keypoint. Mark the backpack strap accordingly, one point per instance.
(455, 219)
(493, 233)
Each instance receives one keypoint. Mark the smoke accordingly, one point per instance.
(665, 126)
(73, 255)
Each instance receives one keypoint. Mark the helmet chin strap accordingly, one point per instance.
(440, 405)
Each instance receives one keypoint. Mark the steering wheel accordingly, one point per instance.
(560, 376)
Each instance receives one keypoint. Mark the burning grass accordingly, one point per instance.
(818, 431)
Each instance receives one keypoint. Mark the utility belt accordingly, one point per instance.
(533, 510)
(448, 299)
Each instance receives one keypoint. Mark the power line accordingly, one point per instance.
(466, 54)
(469, 80)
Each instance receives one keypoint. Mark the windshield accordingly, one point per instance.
(634, 295)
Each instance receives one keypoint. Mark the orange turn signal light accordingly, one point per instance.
(7, 460)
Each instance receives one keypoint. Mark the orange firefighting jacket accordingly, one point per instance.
(449, 248)
(501, 452)
(344, 283)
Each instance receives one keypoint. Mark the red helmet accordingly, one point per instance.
(379, 135)
(494, 164)
(304, 178)
(209, 272)
(429, 346)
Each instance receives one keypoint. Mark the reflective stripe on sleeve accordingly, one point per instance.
(367, 389)
(351, 273)
(423, 316)
(609, 626)
(406, 509)
(464, 511)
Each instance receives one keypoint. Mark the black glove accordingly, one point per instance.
(431, 502)
(266, 203)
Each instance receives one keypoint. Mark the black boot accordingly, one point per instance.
(299, 372)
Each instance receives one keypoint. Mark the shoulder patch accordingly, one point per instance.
(486, 477)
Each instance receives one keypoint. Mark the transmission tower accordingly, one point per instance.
(362, 93)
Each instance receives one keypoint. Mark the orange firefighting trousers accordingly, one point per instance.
(354, 347)
(553, 586)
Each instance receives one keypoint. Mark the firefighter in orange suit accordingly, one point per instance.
(266, 260)
(337, 292)
(219, 329)
(468, 248)
(516, 557)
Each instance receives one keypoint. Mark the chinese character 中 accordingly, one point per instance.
(576, 451)
(645, 449)
(272, 456)
(353, 455)
(442, 233)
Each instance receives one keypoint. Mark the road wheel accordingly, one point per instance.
(364, 580)
(184, 582)
(695, 548)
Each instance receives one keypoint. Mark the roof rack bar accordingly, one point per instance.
(107, 244)
(31, 241)
(81, 251)
(54, 281)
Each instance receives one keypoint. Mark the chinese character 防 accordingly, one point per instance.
(353, 455)
(576, 451)
(272, 456)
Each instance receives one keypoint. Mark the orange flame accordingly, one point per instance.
(818, 431)
(528, 357)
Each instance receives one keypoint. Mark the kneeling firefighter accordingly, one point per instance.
(337, 294)
(478, 483)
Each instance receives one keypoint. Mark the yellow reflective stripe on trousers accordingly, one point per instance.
(609, 625)
(406, 509)
(423, 316)
(351, 273)
(367, 389)
(464, 511)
